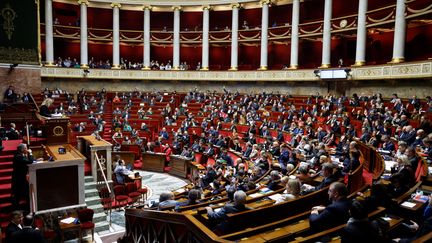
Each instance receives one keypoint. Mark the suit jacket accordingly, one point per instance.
(359, 231)
(28, 235)
(11, 229)
(220, 216)
(20, 170)
(334, 214)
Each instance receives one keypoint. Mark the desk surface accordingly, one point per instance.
(71, 152)
(95, 142)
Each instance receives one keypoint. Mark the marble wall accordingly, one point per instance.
(24, 78)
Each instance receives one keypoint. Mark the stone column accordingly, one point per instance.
(49, 38)
(326, 48)
(116, 35)
(176, 38)
(234, 36)
(295, 34)
(205, 38)
(361, 34)
(146, 61)
(399, 33)
(83, 33)
(264, 34)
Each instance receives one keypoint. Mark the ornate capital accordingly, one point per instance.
(113, 5)
(83, 2)
(206, 7)
(149, 7)
(265, 2)
(174, 8)
(235, 5)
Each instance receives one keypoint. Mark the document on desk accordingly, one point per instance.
(408, 204)
(68, 220)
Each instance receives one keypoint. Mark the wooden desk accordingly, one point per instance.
(153, 162)
(179, 166)
(127, 156)
(69, 228)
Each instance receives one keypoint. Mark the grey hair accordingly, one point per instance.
(21, 147)
(240, 197)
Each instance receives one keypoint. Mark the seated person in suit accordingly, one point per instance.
(219, 217)
(359, 228)
(12, 133)
(329, 176)
(14, 225)
(275, 179)
(166, 200)
(193, 197)
(336, 213)
(121, 172)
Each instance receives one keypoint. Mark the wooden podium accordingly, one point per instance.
(90, 147)
(56, 130)
(153, 162)
(58, 184)
(179, 166)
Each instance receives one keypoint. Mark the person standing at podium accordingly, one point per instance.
(20, 186)
(44, 109)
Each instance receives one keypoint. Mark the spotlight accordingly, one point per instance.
(86, 72)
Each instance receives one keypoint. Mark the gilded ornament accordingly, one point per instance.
(8, 15)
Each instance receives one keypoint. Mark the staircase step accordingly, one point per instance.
(99, 217)
(6, 172)
(91, 193)
(5, 165)
(88, 179)
(101, 226)
(6, 158)
(5, 188)
(90, 201)
(97, 208)
(5, 179)
(90, 185)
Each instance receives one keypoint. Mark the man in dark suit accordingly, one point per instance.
(20, 187)
(336, 213)
(219, 217)
(14, 225)
(27, 234)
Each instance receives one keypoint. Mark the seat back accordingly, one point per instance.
(85, 215)
(119, 190)
(131, 187)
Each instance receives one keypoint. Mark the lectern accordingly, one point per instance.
(57, 184)
(97, 149)
(56, 130)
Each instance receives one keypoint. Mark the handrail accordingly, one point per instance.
(34, 102)
(103, 173)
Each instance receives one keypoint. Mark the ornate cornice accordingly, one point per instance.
(113, 5)
(265, 2)
(174, 8)
(206, 7)
(235, 5)
(149, 7)
(86, 2)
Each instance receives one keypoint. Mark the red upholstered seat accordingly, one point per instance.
(121, 199)
(131, 190)
(85, 217)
